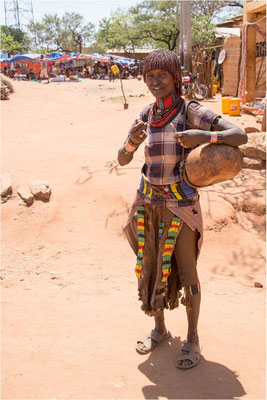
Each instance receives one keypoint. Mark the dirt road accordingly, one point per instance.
(70, 314)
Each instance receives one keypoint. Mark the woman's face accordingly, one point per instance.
(160, 83)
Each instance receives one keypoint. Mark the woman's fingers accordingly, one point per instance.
(140, 126)
(180, 139)
(178, 135)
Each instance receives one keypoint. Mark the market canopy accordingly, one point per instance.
(53, 56)
(24, 57)
(63, 59)
(4, 55)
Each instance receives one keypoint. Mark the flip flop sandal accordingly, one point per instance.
(193, 355)
(150, 341)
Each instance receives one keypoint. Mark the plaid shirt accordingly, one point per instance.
(163, 153)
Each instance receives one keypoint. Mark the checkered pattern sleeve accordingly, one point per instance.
(200, 117)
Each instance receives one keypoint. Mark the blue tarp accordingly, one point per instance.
(56, 55)
(4, 55)
(116, 59)
(24, 57)
(53, 56)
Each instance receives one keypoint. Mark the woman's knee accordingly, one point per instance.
(185, 253)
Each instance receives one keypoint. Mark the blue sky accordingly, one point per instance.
(92, 10)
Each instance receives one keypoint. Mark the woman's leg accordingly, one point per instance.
(185, 252)
(159, 322)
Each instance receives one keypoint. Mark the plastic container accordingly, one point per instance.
(234, 106)
(225, 105)
(115, 69)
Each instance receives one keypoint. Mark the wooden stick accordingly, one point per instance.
(122, 89)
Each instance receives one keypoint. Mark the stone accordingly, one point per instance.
(255, 152)
(6, 185)
(256, 146)
(253, 163)
(258, 284)
(40, 190)
(26, 195)
(251, 129)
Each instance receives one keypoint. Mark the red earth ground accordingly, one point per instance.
(70, 313)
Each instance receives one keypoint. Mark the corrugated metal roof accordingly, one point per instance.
(226, 32)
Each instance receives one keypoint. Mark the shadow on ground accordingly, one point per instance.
(208, 380)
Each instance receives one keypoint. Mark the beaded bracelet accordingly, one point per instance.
(214, 137)
(129, 147)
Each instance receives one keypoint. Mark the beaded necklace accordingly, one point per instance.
(165, 109)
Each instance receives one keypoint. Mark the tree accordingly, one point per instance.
(213, 8)
(118, 31)
(69, 33)
(203, 31)
(15, 39)
(10, 45)
(78, 33)
(149, 23)
(38, 37)
(157, 23)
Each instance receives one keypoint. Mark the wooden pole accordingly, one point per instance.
(181, 49)
(187, 35)
(125, 103)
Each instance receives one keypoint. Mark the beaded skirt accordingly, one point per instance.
(152, 234)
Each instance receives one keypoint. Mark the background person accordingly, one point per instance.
(44, 70)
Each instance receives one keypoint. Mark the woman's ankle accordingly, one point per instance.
(193, 337)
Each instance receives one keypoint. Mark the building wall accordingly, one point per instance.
(232, 45)
(261, 61)
(260, 76)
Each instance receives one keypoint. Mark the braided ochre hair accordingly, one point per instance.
(166, 60)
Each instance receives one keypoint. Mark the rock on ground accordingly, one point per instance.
(26, 195)
(40, 190)
(6, 185)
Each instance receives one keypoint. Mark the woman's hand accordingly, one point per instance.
(190, 138)
(137, 133)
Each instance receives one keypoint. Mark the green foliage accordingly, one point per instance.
(118, 32)
(9, 44)
(69, 33)
(95, 48)
(157, 23)
(203, 31)
(150, 23)
(13, 40)
(18, 35)
(213, 8)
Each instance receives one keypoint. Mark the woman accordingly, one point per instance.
(164, 227)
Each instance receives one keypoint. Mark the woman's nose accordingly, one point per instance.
(155, 80)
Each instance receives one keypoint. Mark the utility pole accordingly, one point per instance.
(186, 35)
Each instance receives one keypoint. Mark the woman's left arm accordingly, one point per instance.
(222, 132)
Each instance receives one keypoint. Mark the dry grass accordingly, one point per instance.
(7, 82)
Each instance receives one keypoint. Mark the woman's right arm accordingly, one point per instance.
(135, 137)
